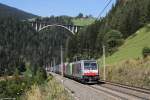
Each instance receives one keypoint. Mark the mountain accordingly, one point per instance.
(7, 11)
(133, 46)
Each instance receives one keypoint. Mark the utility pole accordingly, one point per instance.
(54, 63)
(61, 60)
(104, 63)
(62, 73)
(76, 58)
(51, 66)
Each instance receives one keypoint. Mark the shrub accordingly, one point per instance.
(146, 51)
(15, 87)
(12, 88)
(40, 75)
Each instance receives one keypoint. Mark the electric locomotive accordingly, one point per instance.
(86, 71)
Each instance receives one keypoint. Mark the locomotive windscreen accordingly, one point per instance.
(90, 66)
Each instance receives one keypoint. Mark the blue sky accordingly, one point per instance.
(60, 7)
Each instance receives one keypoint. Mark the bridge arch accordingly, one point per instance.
(57, 25)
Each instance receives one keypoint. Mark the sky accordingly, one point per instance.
(47, 8)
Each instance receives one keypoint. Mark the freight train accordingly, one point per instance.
(85, 71)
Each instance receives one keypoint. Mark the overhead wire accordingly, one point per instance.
(104, 9)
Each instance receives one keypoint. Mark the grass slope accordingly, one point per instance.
(132, 48)
(83, 21)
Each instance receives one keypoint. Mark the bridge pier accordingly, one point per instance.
(76, 29)
(36, 26)
(40, 26)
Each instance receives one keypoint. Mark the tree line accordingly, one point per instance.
(66, 20)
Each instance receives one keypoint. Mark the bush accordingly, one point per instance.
(40, 75)
(146, 52)
(12, 88)
(15, 87)
(113, 39)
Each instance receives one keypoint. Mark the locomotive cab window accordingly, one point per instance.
(90, 66)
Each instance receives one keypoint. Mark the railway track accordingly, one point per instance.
(108, 92)
(119, 91)
(122, 92)
(142, 90)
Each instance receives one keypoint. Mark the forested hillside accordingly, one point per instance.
(21, 44)
(133, 46)
(26, 52)
(123, 20)
(7, 11)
